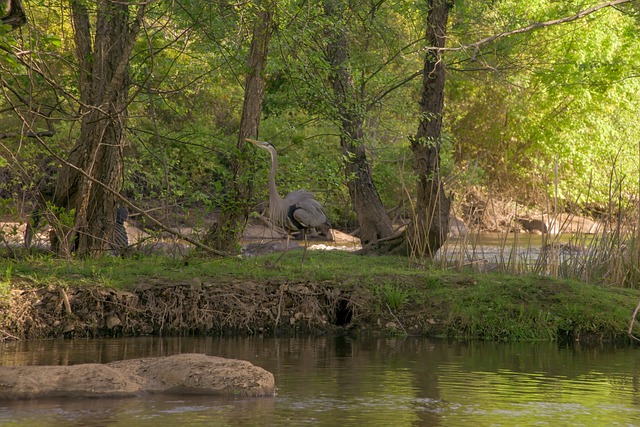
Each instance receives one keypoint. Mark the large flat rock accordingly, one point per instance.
(199, 374)
(182, 373)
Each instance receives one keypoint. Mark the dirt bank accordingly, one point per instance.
(192, 308)
(460, 306)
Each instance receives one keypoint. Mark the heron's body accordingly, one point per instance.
(299, 210)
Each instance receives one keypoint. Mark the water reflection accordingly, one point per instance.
(347, 382)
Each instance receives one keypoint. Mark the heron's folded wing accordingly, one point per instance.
(309, 213)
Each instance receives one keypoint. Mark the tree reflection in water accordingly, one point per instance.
(344, 381)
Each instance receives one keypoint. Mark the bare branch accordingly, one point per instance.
(41, 134)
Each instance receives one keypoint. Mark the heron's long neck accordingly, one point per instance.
(273, 191)
(277, 208)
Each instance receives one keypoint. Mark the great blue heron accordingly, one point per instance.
(298, 211)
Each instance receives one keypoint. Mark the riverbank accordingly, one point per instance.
(335, 293)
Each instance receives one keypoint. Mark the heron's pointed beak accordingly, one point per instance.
(259, 144)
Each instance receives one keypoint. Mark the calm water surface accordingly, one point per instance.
(346, 382)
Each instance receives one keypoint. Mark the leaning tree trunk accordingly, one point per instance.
(94, 168)
(227, 231)
(373, 221)
(430, 225)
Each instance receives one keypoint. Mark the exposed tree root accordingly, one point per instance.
(186, 308)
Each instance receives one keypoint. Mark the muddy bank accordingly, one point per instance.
(193, 308)
(461, 306)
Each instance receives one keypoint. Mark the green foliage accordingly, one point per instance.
(561, 94)
(515, 108)
(300, 104)
(183, 123)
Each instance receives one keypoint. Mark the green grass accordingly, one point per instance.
(394, 296)
(127, 272)
(500, 307)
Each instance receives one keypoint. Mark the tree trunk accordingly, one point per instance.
(430, 223)
(103, 86)
(373, 221)
(13, 14)
(429, 228)
(226, 232)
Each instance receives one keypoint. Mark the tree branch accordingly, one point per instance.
(476, 45)
(41, 134)
(125, 201)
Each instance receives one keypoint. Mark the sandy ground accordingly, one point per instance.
(257, 239)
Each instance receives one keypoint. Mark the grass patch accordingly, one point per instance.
(122, 273)
(395, 296)
(529, 308)
(5, 280)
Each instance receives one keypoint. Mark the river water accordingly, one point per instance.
(357, 382)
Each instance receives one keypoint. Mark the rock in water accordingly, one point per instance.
(200, 374)
(182, 373)
(87, 380)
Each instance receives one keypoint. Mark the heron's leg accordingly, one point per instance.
(283, 252)
(304, 252)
